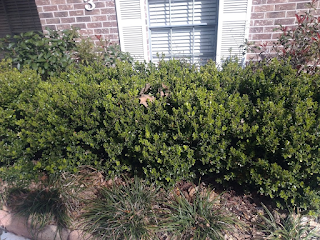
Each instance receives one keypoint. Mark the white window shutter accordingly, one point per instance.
(233, 28)
(132, 28)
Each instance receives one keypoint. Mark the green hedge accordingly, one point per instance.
(257, 126)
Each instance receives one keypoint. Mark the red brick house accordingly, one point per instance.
(195, 29)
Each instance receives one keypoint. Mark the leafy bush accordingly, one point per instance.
(284, 149)
(47, 53)
(16, 88)
(257, 127)
(109, 52)
(52, 53)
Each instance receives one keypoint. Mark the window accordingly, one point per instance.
(194, 29)
(17, 16)
(183, 29)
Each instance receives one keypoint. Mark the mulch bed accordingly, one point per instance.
(246, 207)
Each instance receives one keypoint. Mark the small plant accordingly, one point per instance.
(104, 52)
(110, 52)
(291, 227)
(203, 218)
(41, 206)
(86, 52)
(299, 44)
(123, 212)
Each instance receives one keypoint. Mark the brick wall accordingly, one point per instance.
(269, 14)
(63, 14)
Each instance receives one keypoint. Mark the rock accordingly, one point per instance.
(6, 208)
(11, 236)
(19, 226)
(314, 224)
(3, 220)
(79, 235)
(51, 232)
(15, 224)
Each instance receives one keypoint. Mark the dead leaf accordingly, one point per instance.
(144, 99)
(145, 89)
(192, 191)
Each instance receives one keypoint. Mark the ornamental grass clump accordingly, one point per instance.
(40, 207)
(53, 200)
(202, 218)
(124, 211)
(291, 227)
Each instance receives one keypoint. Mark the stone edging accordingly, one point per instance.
(17, 225)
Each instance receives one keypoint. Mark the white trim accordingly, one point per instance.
(219, 32)
(247, 29)
(149, 31)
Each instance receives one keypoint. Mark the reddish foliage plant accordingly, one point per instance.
(299, 44)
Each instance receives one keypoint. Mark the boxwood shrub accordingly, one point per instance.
(257, 127)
